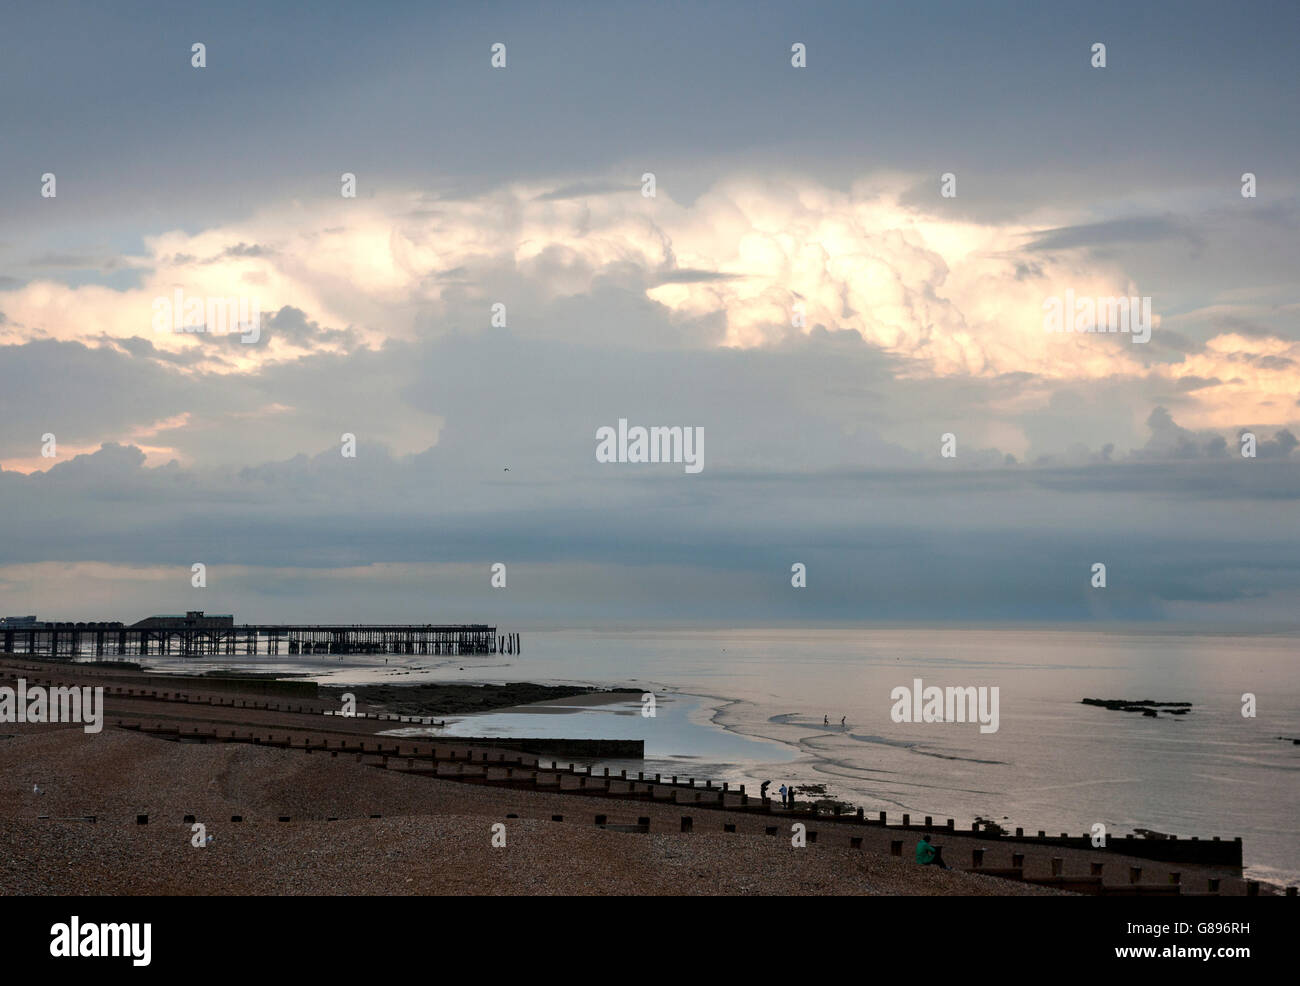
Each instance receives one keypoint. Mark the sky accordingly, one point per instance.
(842, 271)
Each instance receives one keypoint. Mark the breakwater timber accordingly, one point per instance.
(1116, 870)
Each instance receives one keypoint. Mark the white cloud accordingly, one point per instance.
(950, 298)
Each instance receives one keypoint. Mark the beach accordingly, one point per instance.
(317, 818)
(433, 836)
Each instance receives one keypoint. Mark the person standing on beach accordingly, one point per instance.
(762, 790)
(782, 791)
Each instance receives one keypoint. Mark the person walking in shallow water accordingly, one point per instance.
(826, 720)
(844, 722)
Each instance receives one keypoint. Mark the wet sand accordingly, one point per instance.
(452, 699)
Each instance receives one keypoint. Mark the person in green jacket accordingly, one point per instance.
(928, 855)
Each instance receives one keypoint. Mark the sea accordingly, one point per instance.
(818, 709)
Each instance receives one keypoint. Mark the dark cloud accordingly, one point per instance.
(1169, 339)
(687, 275)
(74, 261)
(1171, 441)
(1197, 383)
(139, 346)
(1242, 326)
(586, 189)
(925, 543)
(289, 325)
(1146, 229)
(1278, 447)
(241, 250)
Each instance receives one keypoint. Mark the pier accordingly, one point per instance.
(197, 635)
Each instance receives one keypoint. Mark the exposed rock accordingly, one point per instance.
(1148, 707)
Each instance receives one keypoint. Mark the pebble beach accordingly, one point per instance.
(433, 836)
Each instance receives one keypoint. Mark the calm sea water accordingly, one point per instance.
(748, 706)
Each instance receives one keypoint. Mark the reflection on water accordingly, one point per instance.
(679, 730)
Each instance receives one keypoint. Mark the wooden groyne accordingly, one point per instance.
(555, 746)
(525, 767)
(980, 850)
